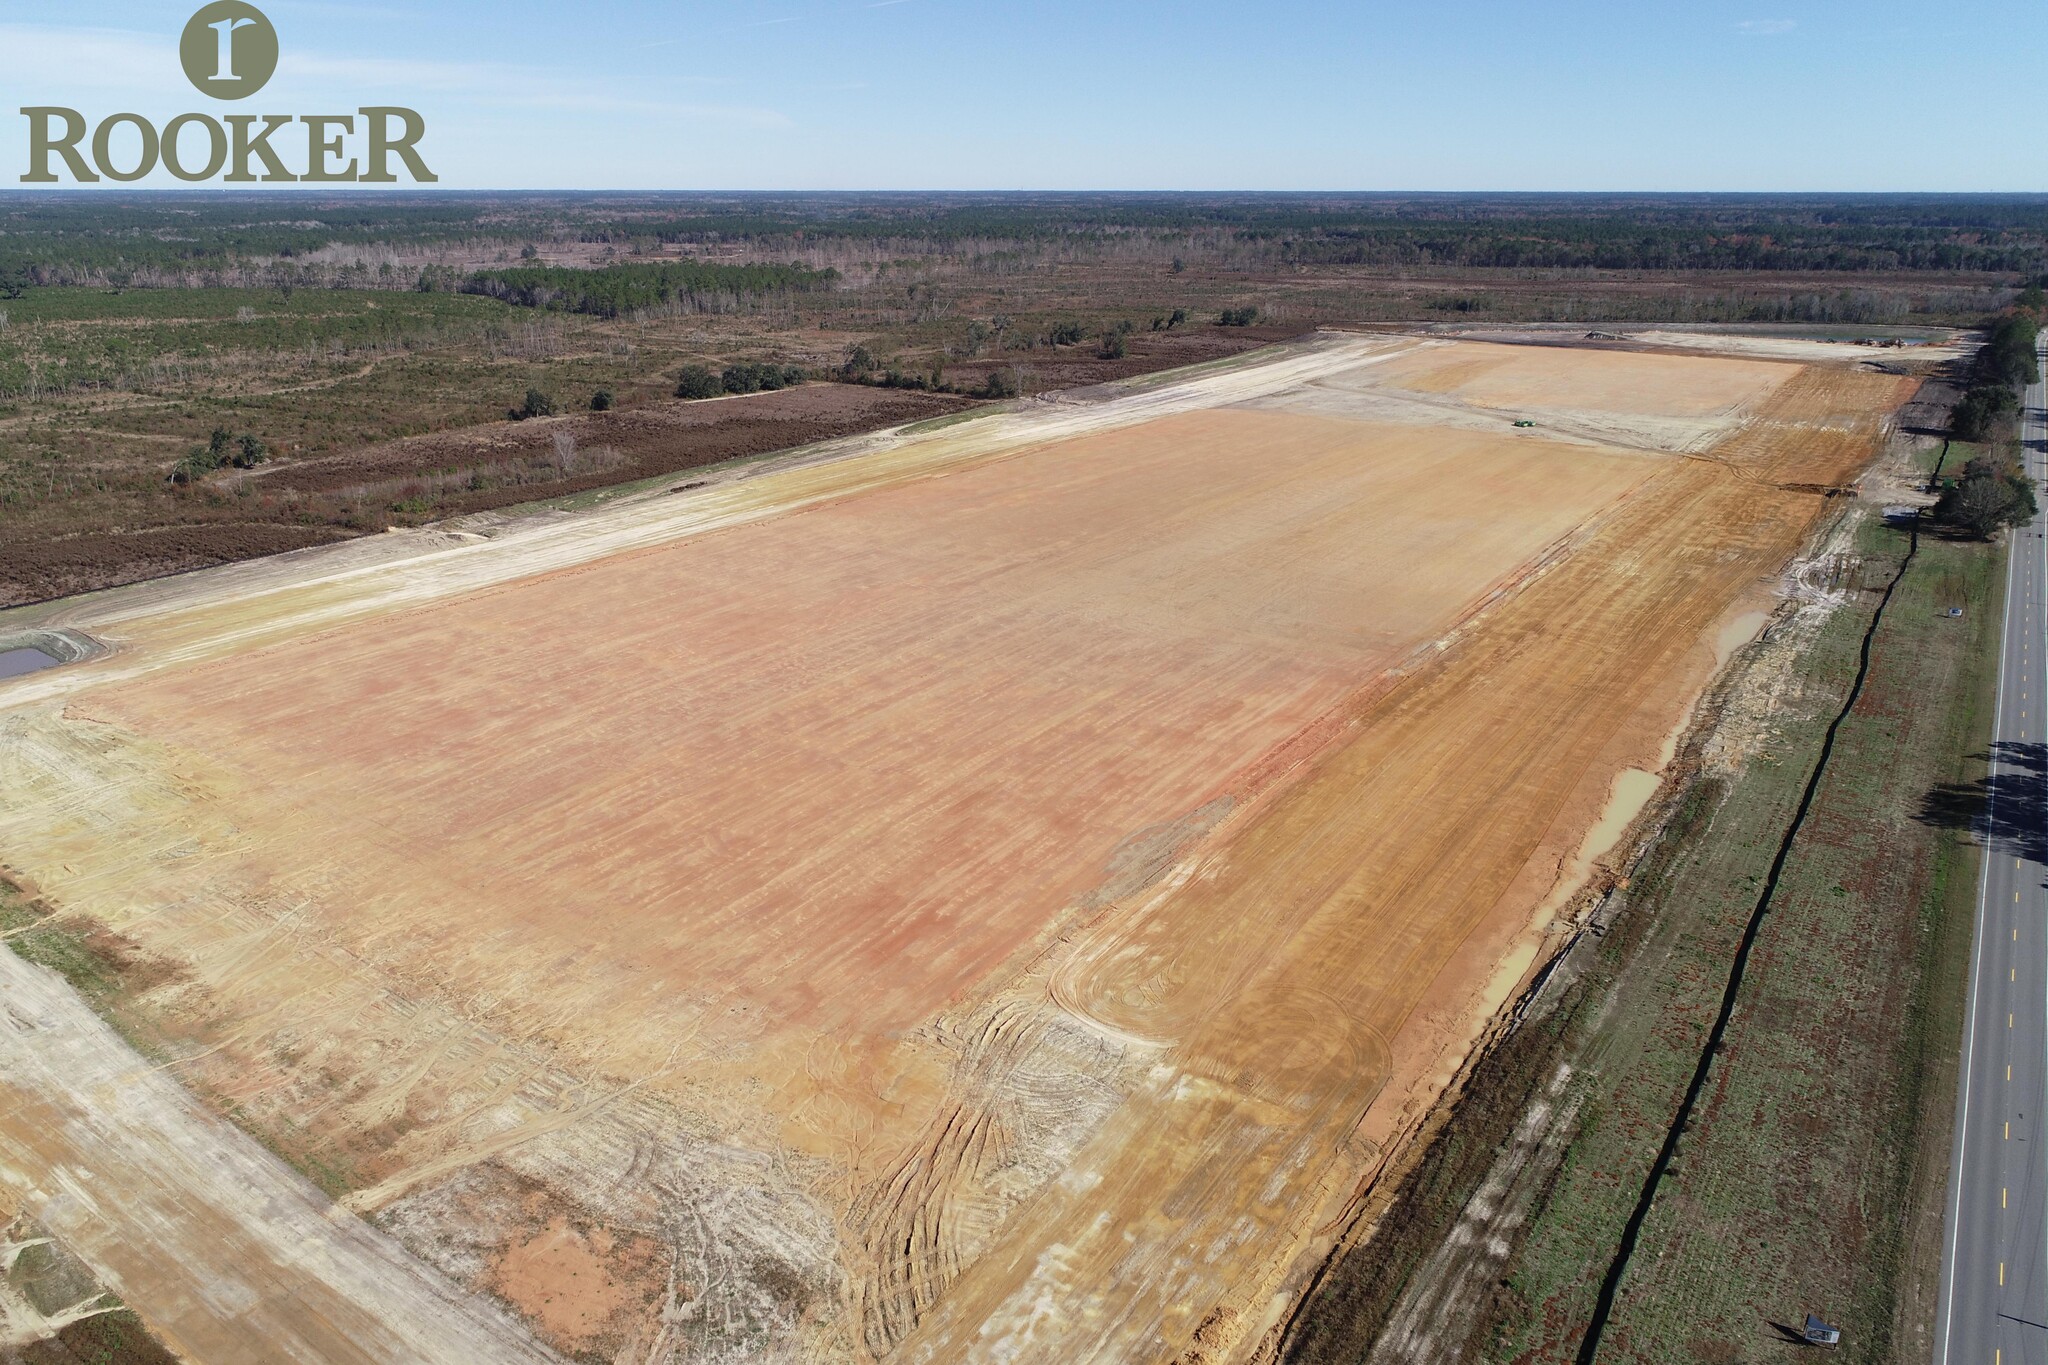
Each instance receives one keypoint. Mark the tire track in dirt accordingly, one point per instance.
(242, 1258)
(1438, 827)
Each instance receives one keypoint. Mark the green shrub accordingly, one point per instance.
(698, 382)
(537, 404)
(601, 401)
(1986, 499)
(1237, 317)
(1975, 418)
(754, 378)
(2008, 353)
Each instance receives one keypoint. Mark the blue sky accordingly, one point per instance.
(1118, 94)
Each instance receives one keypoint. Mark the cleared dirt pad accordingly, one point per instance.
(1000, 914)
(857, 783)
(1543, 378)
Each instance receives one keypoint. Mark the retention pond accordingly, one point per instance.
(15, 662)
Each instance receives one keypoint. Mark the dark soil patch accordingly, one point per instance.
(311, 502)
(32, 570)
(52, 1279)
(1047, 367)
(660, 438)
(110, 1339)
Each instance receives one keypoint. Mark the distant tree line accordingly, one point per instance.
(611, 290)
(162, 241)
(1730, 232)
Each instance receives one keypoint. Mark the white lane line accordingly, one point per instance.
(1977, 976)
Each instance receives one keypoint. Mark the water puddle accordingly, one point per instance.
(1738, 633)
(1631, 792)
(15, 662)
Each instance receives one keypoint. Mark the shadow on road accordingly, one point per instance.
(2007, 811)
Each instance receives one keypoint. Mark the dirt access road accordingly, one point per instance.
(230, 1253)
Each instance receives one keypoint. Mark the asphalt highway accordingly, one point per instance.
(1994, 1288)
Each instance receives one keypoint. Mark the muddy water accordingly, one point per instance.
(1737, 633)
(15, 662)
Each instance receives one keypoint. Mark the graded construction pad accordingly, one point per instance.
(995, 894)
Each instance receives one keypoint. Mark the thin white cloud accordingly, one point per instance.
(1765, 28)
(743, 115)
(361, 13)
(87, 66)
(89, 59)
(381, 72)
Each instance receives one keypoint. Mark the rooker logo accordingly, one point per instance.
(229, 52)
